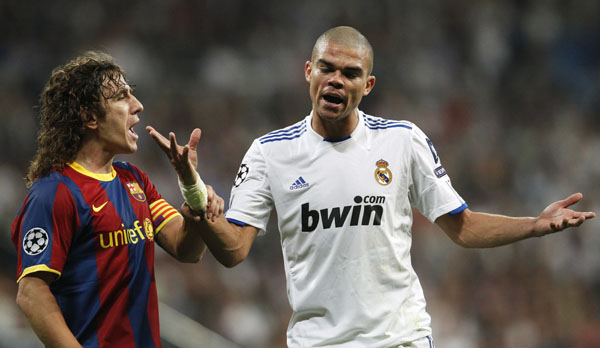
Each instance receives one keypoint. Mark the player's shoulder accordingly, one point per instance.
(129, 171)
(126, 166)
(50, 186)
(286, 134)
(376, 123)
(49, 181)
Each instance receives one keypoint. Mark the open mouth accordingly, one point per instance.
(333, 99)
(131, 131)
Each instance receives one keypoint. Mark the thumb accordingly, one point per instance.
(194, 138)
(572, 199)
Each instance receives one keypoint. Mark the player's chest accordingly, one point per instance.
(356, 176)
(119, 216)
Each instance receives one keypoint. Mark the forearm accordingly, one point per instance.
(482, 230)
(181, 238)
(39, 305)
(190, 245)
(229, 243)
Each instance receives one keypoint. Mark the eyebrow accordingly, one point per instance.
(352, 69)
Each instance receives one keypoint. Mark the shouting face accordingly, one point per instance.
(339, 76)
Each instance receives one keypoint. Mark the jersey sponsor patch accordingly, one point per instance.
(367, 211)
(299, 183)
(439, 171)
(35, 241)
(242, 174)
(383, 175)
(136, 191)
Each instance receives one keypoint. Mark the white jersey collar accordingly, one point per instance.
(357, 133)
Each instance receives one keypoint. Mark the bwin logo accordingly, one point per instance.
(337, 216)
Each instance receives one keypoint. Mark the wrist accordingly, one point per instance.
(195, 195)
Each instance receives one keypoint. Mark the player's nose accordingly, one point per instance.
(336, 79)
(137, 106)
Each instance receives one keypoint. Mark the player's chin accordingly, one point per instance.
(131, 148)
(331, 115)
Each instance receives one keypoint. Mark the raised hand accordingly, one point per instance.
(556, 217)
(183, 158)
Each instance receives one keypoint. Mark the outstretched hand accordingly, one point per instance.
(183, 158)
(557, 217)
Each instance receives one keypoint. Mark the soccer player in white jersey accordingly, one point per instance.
(343, 184)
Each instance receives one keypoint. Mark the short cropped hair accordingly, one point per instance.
(346, 36)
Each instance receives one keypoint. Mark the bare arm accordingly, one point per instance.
(228, 242)
(39, 305)
(181, 236)
(481, 230)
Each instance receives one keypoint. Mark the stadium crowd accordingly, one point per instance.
(509, 92)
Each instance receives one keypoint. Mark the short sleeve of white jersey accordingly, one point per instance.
(431, 191)
(251, 201)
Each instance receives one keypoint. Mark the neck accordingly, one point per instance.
(336, 128)
(94, 159)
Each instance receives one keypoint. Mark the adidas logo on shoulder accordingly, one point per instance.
(298, 184)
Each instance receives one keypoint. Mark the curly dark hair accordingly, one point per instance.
(74, 94)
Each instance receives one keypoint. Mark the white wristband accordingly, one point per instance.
(195, 195)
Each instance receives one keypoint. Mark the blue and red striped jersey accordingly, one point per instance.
(96, 232)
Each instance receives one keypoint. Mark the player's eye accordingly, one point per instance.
(325, 69)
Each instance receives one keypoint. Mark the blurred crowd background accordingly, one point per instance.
(507, 90)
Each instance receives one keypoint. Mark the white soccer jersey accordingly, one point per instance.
(344, 214)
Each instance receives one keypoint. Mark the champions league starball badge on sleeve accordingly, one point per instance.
(35, 241)
(241, 175)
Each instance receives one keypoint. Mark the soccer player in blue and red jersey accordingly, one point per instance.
(85, 234)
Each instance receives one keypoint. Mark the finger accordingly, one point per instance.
(577, 222)
(589, 214)
(572, 199)
(194, 138)
(212, 212)
(217, 213)
(221, 206)
(184, 155)
(173, 146)
(210, 195)
(187, 212)
(162, 142)
(216, 207)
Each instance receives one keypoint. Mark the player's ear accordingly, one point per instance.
(369, 85)
(90, 120)
(307, 70)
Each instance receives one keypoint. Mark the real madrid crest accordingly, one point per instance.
(383, 175)
(136, 191)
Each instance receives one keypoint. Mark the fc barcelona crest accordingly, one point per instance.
(136, 191)
(383, 175)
